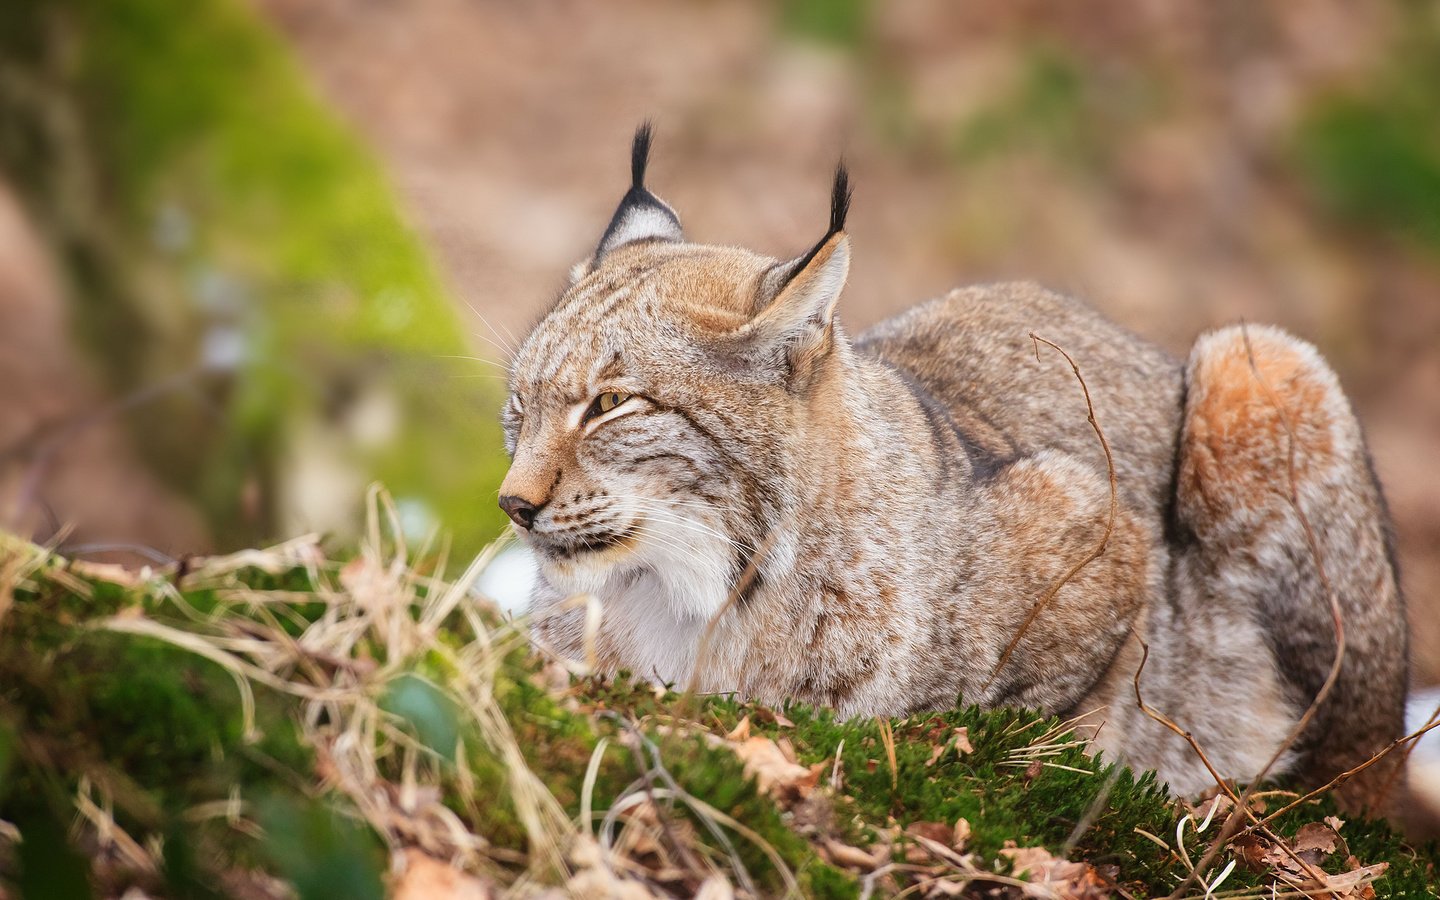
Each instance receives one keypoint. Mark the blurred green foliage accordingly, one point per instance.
(840, 23)
(426, 709)
(1371, 154)
(321, 853)
(228, 240)
(1062, 108)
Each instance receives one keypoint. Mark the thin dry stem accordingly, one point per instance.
(1104, 541)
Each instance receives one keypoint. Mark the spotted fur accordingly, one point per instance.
(865, 523)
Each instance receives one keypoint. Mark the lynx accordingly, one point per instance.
(757, 502)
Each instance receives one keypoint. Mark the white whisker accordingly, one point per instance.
(507, 344)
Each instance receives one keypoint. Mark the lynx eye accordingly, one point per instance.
(605, 402)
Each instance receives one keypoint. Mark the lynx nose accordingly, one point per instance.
(521, 511)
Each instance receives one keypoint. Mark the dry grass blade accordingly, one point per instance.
(386, 614)
(887, 737)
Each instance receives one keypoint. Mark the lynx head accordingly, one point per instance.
(655, 410)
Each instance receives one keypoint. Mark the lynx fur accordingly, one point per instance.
(758, 502)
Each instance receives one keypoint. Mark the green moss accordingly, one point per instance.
(161, 729)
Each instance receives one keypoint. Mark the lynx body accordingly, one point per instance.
(760, 503)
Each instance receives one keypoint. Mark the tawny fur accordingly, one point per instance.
(886, 510)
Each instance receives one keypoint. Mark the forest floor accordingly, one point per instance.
(283, 723)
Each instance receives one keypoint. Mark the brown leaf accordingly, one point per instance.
(741, 731)
(960, 834)
(427, 878)
(959, 739)
(935, 831)
(1354, 884)
(1214, 808)
(931, 844)
(1314, 842)
(855, 857)
(1024, 860)
(1051, 877)
(935, 753)
(766, 763)
(1251, 849)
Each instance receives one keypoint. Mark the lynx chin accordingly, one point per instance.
(760, 502)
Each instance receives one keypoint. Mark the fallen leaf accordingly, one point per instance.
(935, 753)
(741, 732)
(1355, 884)
(1251, 850)
(427, 878)
(938, 832)
(1051, 877)
(766, 763)
(1317, 840)
(930, 845)
(960, 834)
(962, 740)
(856, 857)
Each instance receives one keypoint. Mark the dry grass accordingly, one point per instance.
(381, 615)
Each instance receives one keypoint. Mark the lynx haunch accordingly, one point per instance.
(760, 502)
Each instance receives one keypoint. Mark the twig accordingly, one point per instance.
(1232, 821)
(1169, 723)
(1314, 545)
(1099, 548)
(1349, 773)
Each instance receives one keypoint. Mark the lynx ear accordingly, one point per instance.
(641, 216)
(796, 300)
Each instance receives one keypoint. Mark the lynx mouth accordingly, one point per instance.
(569, 547)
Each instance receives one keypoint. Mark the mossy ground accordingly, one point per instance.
(94, 710)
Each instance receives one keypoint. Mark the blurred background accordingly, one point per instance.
(255, 254)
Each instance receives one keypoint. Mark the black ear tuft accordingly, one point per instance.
(839, 196)
(640, 155)
(641, 216)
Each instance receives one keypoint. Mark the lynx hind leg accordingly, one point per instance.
(1268, 435)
